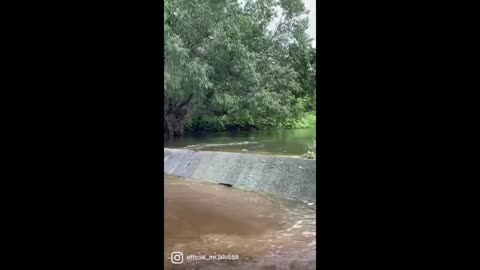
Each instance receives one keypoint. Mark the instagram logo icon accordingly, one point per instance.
(176, 257)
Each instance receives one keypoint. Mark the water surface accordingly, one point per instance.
(265, 232)
(293, 142)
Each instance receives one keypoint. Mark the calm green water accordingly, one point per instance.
(293, 142)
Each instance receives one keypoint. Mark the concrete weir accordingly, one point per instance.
(287, 177)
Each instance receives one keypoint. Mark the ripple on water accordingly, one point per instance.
(207, 219)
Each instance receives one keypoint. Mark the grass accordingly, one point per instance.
(311, 154)
(308, 120)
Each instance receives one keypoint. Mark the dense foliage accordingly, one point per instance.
(226, 67)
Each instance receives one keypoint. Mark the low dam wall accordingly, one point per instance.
(284, 176)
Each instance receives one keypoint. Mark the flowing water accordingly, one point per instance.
(294, 142)
(228, 228)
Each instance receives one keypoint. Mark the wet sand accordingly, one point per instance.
(265, 232)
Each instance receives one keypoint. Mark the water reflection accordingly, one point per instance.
(284, 142)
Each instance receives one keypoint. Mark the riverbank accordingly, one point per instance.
(226, 123)
(307, 120)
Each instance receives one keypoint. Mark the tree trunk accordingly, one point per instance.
(175, 119)
(174, 124)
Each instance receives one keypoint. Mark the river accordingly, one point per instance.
(264, 232)
(289, 142)
(252, 231)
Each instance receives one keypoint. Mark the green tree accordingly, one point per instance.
(226, 69)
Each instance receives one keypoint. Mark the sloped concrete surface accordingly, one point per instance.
(284, 176)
